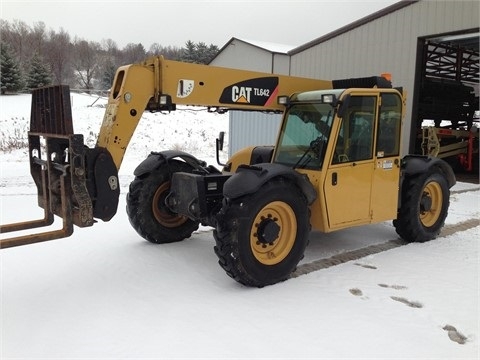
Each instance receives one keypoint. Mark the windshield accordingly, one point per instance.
(304, 135)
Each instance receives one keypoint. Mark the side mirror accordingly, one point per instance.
(219, 146)
(220, 140)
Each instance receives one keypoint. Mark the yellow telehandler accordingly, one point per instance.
(336, 164)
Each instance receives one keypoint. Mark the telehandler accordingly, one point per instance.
(337, 163)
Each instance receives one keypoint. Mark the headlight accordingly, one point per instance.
(283, 100)
(328, 99)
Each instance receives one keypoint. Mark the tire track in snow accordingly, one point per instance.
(375, 249)
(464, 190)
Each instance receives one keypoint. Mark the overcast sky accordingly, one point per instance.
(292, 22)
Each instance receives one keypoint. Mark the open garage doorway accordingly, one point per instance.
(445, 109)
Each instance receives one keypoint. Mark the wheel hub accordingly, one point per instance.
(425, 203)
(273, 233)
(160, 210)
(431, 204)
(268, 231)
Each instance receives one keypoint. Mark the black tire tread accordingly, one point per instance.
(138, 206)
(229, 221)
(408, 225)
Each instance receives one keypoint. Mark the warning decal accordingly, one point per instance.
(185, 88)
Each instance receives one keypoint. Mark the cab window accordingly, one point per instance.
(355, 140)
(388, 138)
(304, 135)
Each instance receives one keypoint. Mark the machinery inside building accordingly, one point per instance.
(447, 100)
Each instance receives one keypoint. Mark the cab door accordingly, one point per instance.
(348, 181)
(386, 176)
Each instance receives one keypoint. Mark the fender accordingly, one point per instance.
(157, 159)
(249, 179)
(417, 164)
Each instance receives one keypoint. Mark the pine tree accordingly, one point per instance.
(39, 73)
(213, 50)
(202, 53)
(108, 75)
(189, 52)
(198, 53)
(10, 75)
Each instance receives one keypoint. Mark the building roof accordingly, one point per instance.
(376, 15)
(269, 46)
(273, 48)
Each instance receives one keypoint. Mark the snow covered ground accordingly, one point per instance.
(105, 293)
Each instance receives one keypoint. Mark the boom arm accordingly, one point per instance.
(80, 184)
(160, 84)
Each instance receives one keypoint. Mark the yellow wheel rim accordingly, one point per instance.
(431, 204)
(273, 233)
(160, 211)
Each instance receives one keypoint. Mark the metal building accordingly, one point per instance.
(409, 39)
(395, 40)
(254, 56)
(253, 128)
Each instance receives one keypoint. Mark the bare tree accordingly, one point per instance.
(23, 40)
(133, 53)
(110, 47)
(169, 52)
(18, 41)
(85, 62)
(109, 61)
(58, 50)
(38, 38)
(6, 32)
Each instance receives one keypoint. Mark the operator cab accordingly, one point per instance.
(347, 141)
(363, 132)
(306, 129)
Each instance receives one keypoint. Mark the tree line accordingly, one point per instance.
(32, 57)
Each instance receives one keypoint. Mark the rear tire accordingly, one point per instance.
(261, 237)
(424, 208)
(147, 211)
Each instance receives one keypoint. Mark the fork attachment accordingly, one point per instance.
(70, 177)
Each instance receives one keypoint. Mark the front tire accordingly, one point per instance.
(424, 208)
(147, 211)
(261, 237)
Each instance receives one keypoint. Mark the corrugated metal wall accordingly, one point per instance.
(387, 44)
(281, 64)
(252, 128)
(240, 55)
